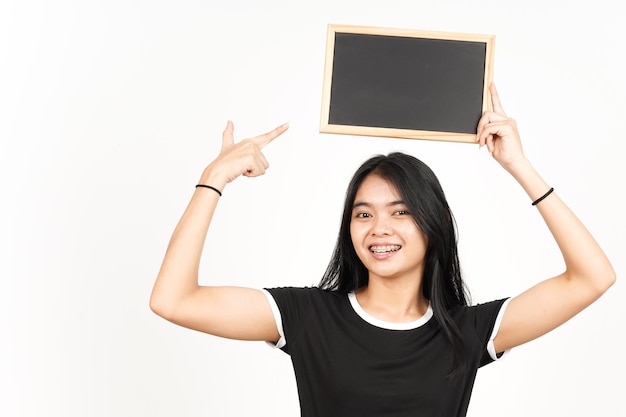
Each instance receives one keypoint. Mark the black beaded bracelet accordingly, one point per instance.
(540, 199)
(210, 187)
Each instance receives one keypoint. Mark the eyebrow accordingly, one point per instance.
(358, 204)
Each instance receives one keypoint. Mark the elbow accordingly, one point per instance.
(160, 306)
(169, 300)
(604, 280)
(155, 305)
(610, 279)
(595, 282)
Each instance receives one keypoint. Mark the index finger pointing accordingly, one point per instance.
(495, 100)
(266, 138)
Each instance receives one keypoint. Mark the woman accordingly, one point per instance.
(389, 331)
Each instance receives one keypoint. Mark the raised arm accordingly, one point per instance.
(588, 273)
(231, 312)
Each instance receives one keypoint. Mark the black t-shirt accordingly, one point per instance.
(348, 363)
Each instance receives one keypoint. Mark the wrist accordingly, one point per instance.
(530, 180)
(213, 178)
(518, 167)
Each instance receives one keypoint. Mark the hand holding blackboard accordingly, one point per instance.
(405, 83)
(499, 133)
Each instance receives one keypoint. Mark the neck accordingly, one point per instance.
(393, 301)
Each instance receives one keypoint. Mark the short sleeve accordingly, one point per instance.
(491, 349)
(290, 305)
(486, 319)
(278, 319)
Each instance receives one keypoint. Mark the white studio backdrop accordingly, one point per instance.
(109, 111)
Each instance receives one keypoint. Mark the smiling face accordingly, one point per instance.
(384, 234)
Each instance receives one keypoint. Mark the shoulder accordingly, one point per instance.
(302, 296)
(479, 309)
(479, 325)
(300, 310)
(481, 317)
(302, 292)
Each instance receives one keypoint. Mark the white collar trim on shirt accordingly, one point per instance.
(388, 324)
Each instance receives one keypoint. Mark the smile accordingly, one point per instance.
(385, 249)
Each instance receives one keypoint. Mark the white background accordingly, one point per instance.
(109, 111)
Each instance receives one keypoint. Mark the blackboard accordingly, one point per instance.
(405, 83)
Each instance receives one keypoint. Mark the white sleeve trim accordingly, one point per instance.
(278, 319)
(496, 327)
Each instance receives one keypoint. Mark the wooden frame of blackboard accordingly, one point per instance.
(441, 83)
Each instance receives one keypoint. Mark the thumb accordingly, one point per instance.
(495, 100)
(227, 136)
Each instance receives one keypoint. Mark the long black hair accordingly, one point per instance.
(421, 191)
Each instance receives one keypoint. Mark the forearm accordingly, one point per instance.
(584, 258)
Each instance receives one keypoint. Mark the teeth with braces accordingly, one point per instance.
(384, 249)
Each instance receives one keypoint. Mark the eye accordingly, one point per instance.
(362, 215)
(402, 212)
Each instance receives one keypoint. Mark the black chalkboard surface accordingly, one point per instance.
(405, 83)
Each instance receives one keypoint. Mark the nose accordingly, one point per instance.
(381, 226)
